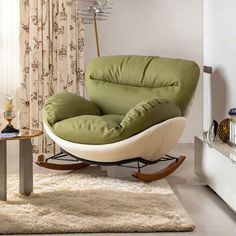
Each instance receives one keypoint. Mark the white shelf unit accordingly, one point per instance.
(215, 164)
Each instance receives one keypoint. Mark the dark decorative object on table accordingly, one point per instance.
(224, 130)
(211, 134)
(10, 129)
(232, 112)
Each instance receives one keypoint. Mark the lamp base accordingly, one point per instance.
(10, 129)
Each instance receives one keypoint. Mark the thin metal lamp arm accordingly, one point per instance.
(96, 33)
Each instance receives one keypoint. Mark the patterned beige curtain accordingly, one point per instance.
(52, 59)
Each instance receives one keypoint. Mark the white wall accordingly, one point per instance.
(9, 50)
(220, 52)
(168, 28)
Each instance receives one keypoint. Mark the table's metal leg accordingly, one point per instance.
(3, 170)
(26, 167)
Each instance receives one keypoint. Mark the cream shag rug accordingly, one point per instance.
(75, 202)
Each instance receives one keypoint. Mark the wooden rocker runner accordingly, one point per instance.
(56, 166)
(142, 176)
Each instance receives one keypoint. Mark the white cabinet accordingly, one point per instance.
(215, 164)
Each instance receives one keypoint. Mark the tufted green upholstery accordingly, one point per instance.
(128, 94)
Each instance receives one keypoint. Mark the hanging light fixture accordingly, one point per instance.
(92, 11)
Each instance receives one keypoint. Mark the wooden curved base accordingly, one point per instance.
(160, 174)
(54, 166)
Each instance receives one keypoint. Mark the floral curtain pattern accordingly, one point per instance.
(52, 59)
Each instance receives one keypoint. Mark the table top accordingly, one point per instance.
(223, 148)
(23, 134)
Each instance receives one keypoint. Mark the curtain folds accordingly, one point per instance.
(52, 59)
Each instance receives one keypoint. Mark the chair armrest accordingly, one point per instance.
(148, 113)
(66, 105)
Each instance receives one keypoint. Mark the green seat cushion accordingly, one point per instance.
(110, 128)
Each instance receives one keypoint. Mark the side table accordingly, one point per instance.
(25, 160)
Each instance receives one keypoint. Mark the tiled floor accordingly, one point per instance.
(210, 214)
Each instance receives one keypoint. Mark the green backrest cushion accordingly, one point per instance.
(117, 83)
